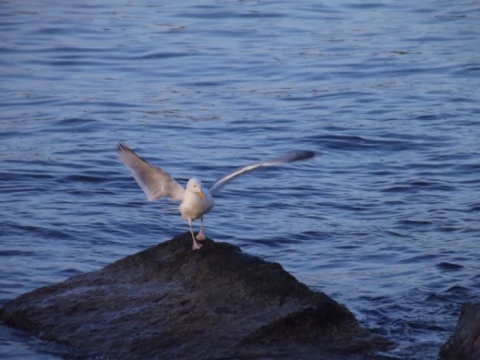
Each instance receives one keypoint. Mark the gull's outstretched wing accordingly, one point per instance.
(154, 182)
(291, 157)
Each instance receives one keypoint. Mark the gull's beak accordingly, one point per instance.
(201, 194)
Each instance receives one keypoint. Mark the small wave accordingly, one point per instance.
(446, 266)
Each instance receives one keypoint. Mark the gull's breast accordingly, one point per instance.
(193, 207)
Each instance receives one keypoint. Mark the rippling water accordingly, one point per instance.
(386, 221)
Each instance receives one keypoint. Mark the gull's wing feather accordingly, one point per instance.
(155, 182)
(290, 157)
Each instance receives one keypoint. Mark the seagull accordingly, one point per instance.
(195, 200)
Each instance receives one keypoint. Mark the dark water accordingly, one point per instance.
(386, 221)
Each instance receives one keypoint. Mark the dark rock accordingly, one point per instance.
(169, 301)
(464, 344)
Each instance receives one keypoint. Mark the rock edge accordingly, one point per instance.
(464, 343)
(170, 301)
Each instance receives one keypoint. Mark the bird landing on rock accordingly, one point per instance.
(196, 200)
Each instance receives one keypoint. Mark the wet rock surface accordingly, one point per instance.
(170, 301)
(464, 344)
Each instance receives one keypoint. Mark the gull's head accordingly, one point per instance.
(195, 185)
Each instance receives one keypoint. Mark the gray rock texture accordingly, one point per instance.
(464, 344)
(171, 302)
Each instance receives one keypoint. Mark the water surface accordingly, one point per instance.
(386, 221)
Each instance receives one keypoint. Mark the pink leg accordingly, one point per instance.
(201, 235)
(196, 245)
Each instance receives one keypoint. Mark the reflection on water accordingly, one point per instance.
(385, 221)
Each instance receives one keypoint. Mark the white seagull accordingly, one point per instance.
(195, 200)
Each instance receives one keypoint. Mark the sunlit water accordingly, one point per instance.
(386, 221)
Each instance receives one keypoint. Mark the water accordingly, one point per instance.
(386, 221)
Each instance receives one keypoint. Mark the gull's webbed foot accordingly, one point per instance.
(196, 245)
(201, 235)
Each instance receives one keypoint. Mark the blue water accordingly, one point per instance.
(386, 221)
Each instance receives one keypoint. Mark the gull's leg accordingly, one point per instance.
(196, 245)
(201, 235)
